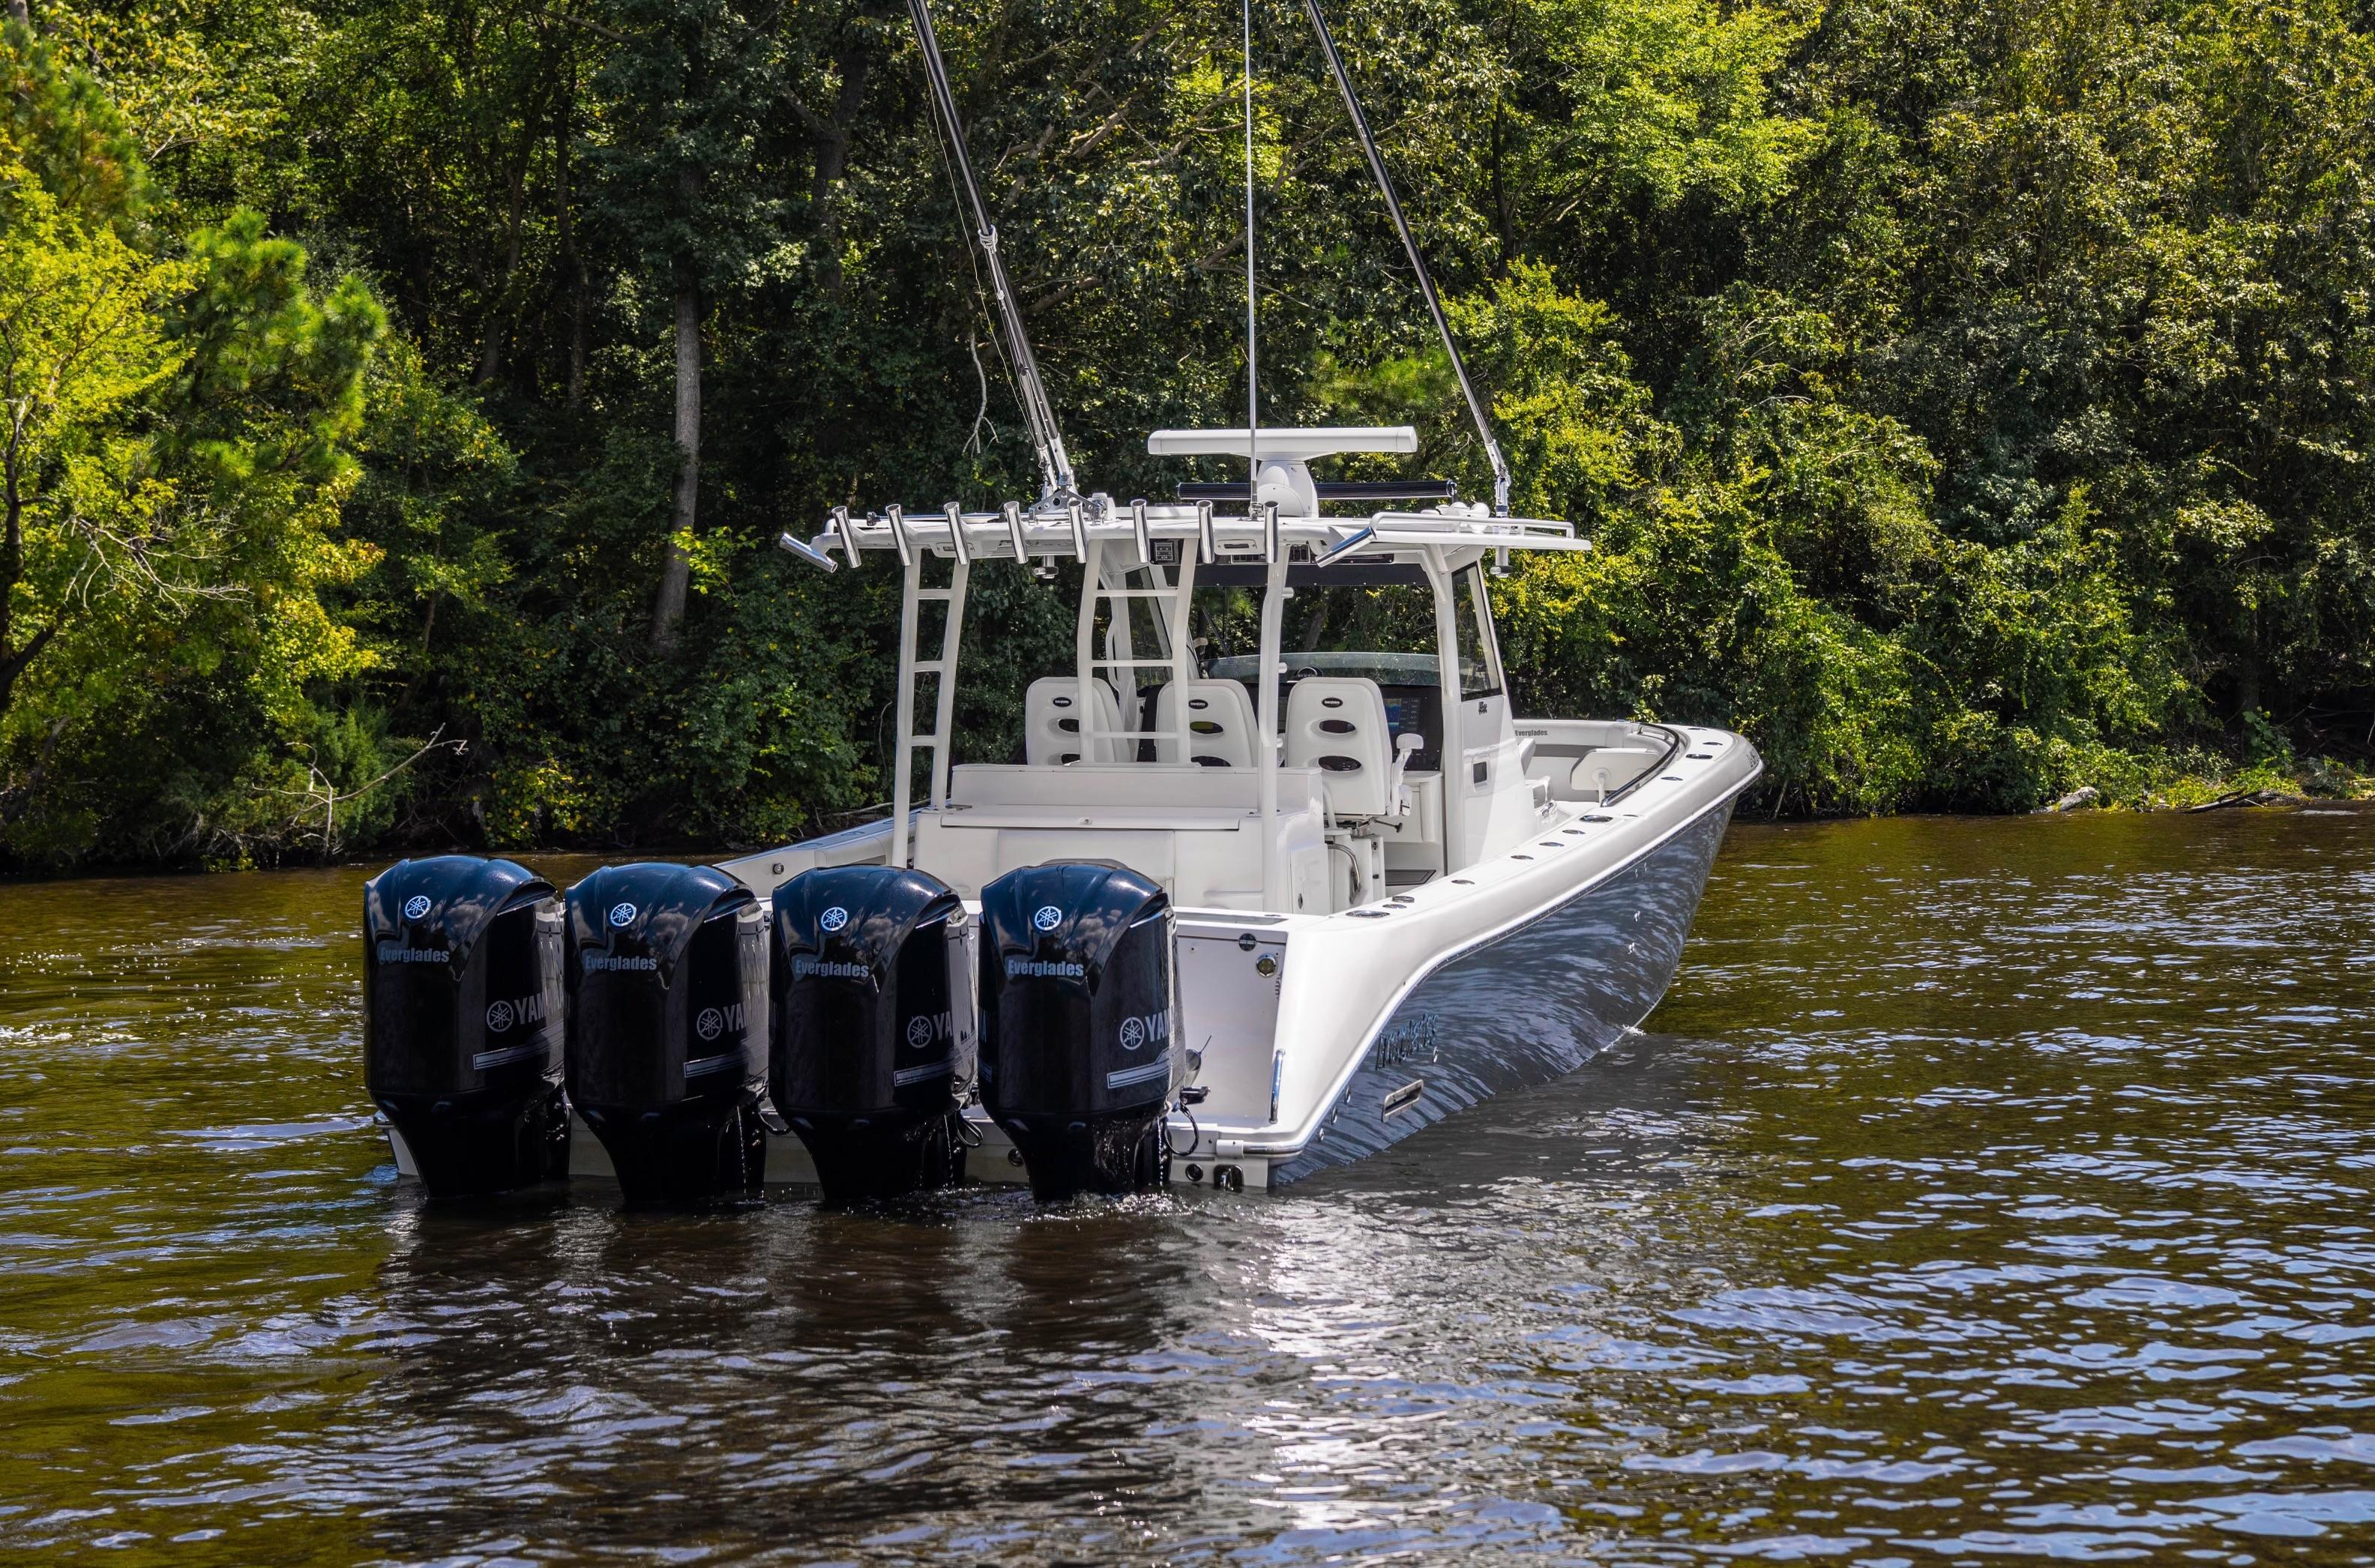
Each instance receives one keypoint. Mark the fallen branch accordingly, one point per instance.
(2247, 797)
(318, 786)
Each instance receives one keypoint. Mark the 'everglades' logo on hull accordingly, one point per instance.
(592, 962)
(396, 952)
(1041, 969)
(825, 969)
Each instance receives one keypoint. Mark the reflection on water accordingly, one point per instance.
(1987, 1188)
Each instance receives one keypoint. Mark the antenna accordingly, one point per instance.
(1418, 263)
(1055, 467)
(1253, 387)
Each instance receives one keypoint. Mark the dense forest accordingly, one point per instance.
(1970, 399)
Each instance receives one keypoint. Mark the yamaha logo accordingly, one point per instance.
(710, 1024)
(622, 915)
(416, 906)
(523, 1012)
(1144, 1028)
(919, 1032)
(834, 919)
(1048, 917)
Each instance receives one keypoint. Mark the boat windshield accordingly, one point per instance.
(1384, 632)
(1385, 670)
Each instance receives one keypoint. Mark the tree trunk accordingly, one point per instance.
(14, 659)
(573, 277)
(13, 802)
(12, 665)
(505, 306)
(831, 139)
(498, 308)
(1503, 222)
(667, 614)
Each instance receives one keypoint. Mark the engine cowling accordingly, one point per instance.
(667, 1028)
(873, 1026)
(1080, 1052)
(463, 1003)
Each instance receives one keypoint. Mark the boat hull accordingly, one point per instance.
(1531, 1005)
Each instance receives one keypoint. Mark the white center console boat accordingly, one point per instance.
(1279, 879)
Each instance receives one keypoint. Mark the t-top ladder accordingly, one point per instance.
(1110, 585)
(913, 595)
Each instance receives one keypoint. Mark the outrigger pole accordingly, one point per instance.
(1055, 467)
(1410, 245)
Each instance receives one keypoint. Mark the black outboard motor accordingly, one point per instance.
(1079, 1055)
(462, 1009)
(667, 1028)
(873, 1026)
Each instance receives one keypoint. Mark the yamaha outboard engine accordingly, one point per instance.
(462, 1007)
(873, 1026)
(667, 1028)
(1079, 1056)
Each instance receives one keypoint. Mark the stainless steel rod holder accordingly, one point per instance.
(957, 540)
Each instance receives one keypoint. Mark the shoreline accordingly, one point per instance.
(2190, 798)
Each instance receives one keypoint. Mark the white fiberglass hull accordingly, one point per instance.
(1513, 972)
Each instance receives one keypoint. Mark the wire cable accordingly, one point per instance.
(981, 300)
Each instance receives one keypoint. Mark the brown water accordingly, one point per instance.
(1987, 1188)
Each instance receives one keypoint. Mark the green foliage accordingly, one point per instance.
(169, 487)
(63, 132)
(1967, 401)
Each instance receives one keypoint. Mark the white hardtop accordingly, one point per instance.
(1326, 441)
(1282, 458)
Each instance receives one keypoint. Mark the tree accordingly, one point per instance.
(173, 450)
(681, 191)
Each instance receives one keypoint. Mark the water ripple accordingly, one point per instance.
(1987, 1190)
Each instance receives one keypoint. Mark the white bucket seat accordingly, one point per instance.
(1338, 725)
(1051, 723)
(1219, 724)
